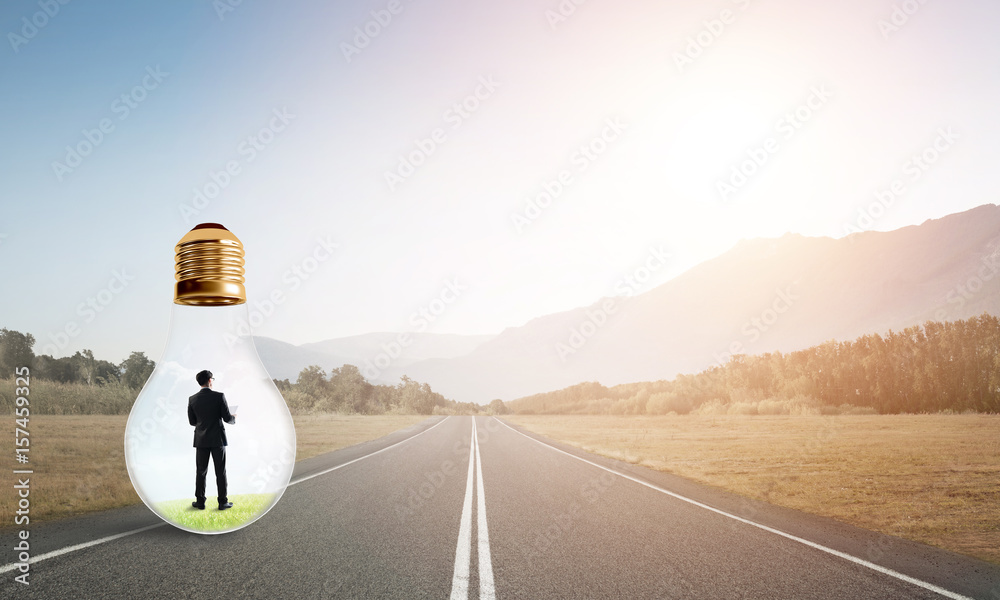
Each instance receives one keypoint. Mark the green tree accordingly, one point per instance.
(349, 390)
(15, 351)
(86, 365)
(136, 369)
(62, 369)
(312, 381)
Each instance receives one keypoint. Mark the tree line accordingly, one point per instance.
(346, 390)
(84, 384)
(16, 351)
(952, 366)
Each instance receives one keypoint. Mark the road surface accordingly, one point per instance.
(463, 507)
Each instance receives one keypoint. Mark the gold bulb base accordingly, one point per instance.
(209, 267)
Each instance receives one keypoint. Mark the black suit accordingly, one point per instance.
(206, 411)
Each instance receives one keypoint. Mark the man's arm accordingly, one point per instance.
(192, 418)
(226, 416)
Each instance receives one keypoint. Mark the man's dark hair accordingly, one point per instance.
(203, 378)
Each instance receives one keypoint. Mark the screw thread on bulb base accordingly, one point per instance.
(209, 267)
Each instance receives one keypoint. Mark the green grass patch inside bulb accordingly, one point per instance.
(246, 507)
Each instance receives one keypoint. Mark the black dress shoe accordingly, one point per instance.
(198, 505)
(225, 506)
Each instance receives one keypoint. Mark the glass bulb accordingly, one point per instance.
(209, 331)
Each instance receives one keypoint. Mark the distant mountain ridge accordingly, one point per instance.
(762, 295)
(285, 361)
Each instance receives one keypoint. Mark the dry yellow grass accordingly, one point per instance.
(930, 478)
(316, 434)
(79, 460)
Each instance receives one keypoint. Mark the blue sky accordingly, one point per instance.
(535, 89)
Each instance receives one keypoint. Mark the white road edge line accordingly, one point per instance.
(39, 558)
(858, 561)
(351, 462)
(487, 589)
(463, 550)
(68, 549)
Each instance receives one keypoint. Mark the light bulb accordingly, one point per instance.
(209, 331)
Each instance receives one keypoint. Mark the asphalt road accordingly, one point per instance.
(440, 511)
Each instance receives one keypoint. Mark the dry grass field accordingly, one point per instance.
(930, 478)
(316, 434)
(79, 460)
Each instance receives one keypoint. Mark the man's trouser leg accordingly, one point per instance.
(201, 471)
(219, 459)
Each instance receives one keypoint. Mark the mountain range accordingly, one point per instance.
(762, 295)
(285, 361)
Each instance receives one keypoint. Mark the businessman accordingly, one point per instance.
(206, 411)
